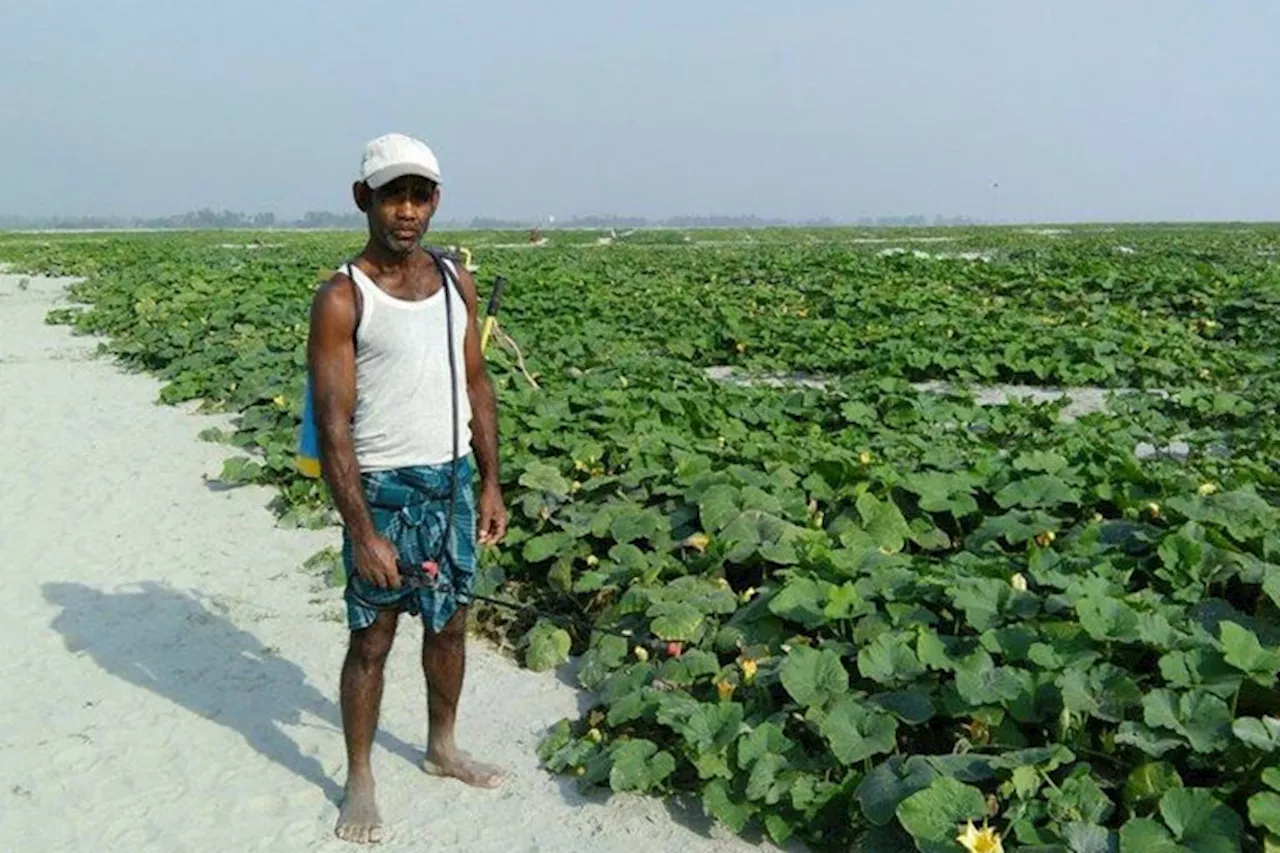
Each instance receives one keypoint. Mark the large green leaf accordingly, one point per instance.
(635, 523)
(548, 645)
(711, 726)
(813, 677)
(890, 660)
(1242, 513)
(883, 522)
(639, 765)
(1200, 822)
(544, 547)
(718, 803)
(1040, 492)
(1151, 741)
(1264, 811)
(941, 492)
(766, 737)
(856, 732)
(1243, 651)
(980, 682)
(1187, 565)
(1015, 527)
(675, 620)
(546, 478)
(981, 600)
(888, 784)
(800, 600)
(1108, 620)
(1204, 720)
(1144, 835)
(1040, 460)
(1202, 668)
(1148, 783)
(1106, 692)
(932, 815)
(914, 707)
(1088, 838)
(762, 782)
(1263, 734)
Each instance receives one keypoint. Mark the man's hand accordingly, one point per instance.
(493, 516)
(376, 560)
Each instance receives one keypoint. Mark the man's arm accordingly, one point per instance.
(331, 360)
(484, 419)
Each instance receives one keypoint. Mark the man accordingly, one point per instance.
(390, 412)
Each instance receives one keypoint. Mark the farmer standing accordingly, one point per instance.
(381, 379)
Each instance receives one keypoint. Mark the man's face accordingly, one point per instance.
(400, 211)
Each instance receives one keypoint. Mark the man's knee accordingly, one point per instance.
(455, 629)
(371, 646)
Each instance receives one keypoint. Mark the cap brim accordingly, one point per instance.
(387, 174)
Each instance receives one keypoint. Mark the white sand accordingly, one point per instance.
(170, 673)
(1081, 401)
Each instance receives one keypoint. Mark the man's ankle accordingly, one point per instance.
(444, 747)
(360, 772)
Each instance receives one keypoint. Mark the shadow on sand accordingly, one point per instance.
(170, 643)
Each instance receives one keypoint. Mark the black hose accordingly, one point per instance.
(453, 407)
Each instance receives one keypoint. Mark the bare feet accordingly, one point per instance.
(358, 818)
(459, 765)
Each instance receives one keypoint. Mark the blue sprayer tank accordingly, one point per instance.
(308, 456)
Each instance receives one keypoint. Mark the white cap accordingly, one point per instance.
(396, 155)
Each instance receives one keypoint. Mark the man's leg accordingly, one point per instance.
(444, 665)
(361, 695)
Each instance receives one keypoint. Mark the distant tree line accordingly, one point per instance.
(207, 219)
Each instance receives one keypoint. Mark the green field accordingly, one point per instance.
(897, 610)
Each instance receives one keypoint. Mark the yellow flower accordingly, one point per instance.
(698, 542)
(1018, 582)
(641, 653)
(724, 690)
(983, 840)
(1206, 489)
(1154, 509)
(746, 595)
(749, 670)
(279, 400)
(864, 457)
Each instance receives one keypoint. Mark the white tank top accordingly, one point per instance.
(402, 415)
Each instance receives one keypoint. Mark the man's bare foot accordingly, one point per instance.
(358, 818)
(459, 765)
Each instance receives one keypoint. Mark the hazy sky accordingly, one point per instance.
(1078, 109)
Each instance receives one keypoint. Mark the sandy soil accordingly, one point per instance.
(170, 670)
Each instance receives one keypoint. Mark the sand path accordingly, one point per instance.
(170, 672)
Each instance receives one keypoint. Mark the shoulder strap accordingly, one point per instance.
(444, 263)
(359, 292)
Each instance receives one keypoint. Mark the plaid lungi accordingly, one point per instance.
(409, 507)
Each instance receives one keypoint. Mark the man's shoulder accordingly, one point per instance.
(337, 294)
